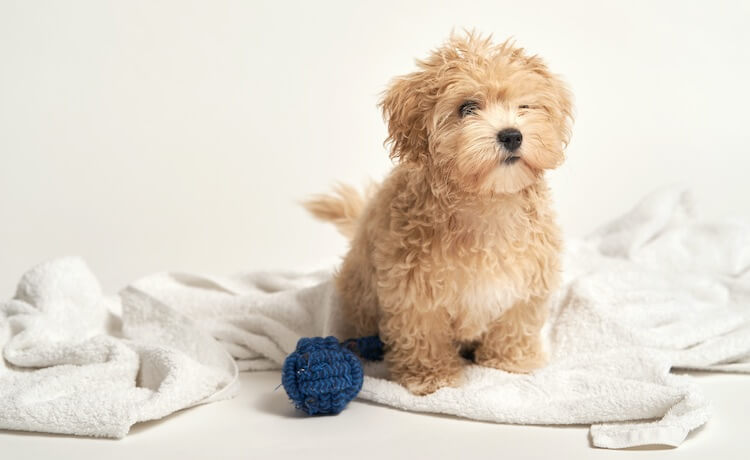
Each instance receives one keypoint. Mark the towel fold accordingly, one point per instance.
(654, 290)
(72, 366)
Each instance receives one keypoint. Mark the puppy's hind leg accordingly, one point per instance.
(359, 302)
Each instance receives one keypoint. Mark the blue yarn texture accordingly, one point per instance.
(321, 376)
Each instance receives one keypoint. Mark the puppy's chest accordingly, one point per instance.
(497, 269)
(488, 282)
(482, 301)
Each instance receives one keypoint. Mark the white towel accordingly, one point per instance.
(653, 290)
(68, 367)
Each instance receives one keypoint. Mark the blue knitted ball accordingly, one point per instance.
(320, 376)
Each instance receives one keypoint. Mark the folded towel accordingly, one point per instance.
(651, 291)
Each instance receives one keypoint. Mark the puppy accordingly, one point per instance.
(457, 251)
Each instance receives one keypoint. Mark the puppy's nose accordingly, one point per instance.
(510, 138)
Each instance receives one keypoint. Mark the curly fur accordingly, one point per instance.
(458, 248)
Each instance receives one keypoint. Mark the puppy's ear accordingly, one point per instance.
(405, 105)
(566, 110)
(560, 104)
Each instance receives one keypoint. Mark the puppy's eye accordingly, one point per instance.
(468, 108)
(524, 107)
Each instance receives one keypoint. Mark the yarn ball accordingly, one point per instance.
(321, 376)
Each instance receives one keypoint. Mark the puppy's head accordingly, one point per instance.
(484, 118)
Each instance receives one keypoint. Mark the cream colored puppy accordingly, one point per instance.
(457, 251)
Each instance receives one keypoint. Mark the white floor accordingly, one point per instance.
(260, 423)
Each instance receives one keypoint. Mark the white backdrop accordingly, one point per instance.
(147, 136)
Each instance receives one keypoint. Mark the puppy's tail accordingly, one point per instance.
(343, 208)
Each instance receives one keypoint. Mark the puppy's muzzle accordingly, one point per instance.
(510, 139)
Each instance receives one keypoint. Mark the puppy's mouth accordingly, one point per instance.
(511, 159)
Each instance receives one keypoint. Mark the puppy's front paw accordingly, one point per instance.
(517, 363)
(429, 382)
(516, 367)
